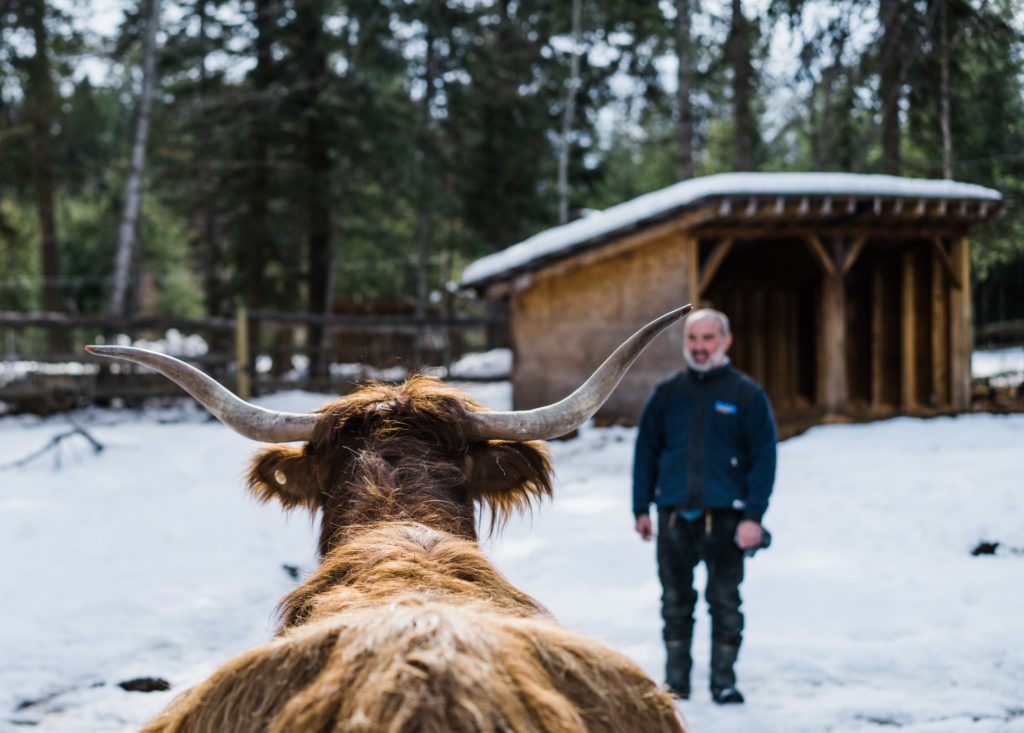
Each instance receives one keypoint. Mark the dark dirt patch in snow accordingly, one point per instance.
(145, 684)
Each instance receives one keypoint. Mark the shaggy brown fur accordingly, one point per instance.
(405, 627)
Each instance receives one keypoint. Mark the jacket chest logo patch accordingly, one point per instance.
(725, 408)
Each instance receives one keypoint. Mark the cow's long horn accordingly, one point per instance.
(553, 421)
(244, 418)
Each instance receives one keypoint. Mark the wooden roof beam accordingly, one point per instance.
(714, 261)
(853, 253)
(947, 262)
(790, 230)
(820, 254)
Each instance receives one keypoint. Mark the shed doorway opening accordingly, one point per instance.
(769, 289)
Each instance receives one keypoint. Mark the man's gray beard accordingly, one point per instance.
(714, 361)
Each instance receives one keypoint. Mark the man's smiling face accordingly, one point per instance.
(706, 345)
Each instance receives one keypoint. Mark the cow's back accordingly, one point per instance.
(407, 630)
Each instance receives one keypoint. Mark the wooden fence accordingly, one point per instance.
(45, 368)
(1000, 333)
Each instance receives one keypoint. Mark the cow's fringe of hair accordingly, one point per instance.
(399, 452)
(526, 466)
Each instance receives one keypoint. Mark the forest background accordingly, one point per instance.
(184, 157)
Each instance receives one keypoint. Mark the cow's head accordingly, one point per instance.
(419, 451)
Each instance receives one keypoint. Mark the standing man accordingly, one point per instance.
(705, 454)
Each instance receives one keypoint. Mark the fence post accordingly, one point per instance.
(242, 384)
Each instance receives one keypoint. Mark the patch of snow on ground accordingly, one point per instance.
(496, 363)
(868, 612)
(1003, 367)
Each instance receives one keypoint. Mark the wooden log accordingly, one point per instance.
(821, 255)
(833, 384)
(960, 338)
(940, 331)
(908, 334)
(944, 258)
(877, 336)
(853, 253)
(242, 381)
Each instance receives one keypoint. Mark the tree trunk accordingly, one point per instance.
(890, 79)
(684, 90)
(257, 224)
(40, 97)
(742, 77)
(569, 114)
(136, 169)
(424, 221)
(316, 146)
(944, 93)
(212, 253)
(829, 78)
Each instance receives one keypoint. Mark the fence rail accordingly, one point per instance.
(44, 367)
(1007, 333)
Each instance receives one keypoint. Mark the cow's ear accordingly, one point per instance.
(508, 477)
(284, 473)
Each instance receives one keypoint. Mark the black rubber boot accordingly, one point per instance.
(677, 667)
(723, 677)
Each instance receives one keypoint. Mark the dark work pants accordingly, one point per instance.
(681, 545)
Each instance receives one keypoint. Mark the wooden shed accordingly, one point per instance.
(847, 293)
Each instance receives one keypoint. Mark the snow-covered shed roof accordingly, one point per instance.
(562, 241)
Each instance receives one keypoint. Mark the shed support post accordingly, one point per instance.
(940, 332)
(833, 385)
(908, 334)
(960, 337)
(877, 337)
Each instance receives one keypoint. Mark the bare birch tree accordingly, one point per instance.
(569, 113)
(136, 168)
(944, 92)
(684, 89)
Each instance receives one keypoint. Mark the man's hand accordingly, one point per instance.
(748, 534)
(644, 528)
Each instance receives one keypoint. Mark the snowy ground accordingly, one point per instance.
(1003, 367)
(869, 613)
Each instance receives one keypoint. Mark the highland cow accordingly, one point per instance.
(405, 626)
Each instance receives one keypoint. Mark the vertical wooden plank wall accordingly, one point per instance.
(940, 331)
(877, 335)
(689, 286)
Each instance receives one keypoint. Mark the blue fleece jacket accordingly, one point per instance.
(706, 441)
